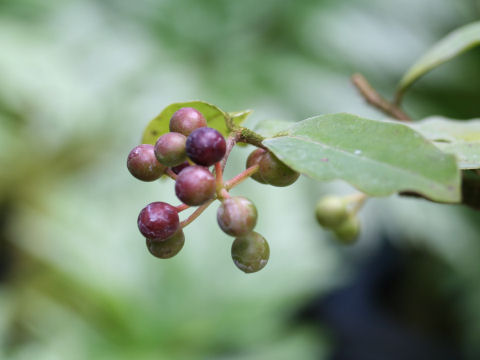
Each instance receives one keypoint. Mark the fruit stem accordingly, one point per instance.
(182, 207)
(195, 214)
(240, 177)
(243, 134)
(169, 172)
(218, 176)
(357, 201)
(231, 141)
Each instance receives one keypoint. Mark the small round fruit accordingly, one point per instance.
(170, 149)
(186, 120)
(254, 159)
(250, 253)
(206, 146)
(143, 164)
(237, 216)
(178, 168)
(158, 221)
(331, 211)
(195, 185)
(275, 172)
(347, 232)
(167, 248)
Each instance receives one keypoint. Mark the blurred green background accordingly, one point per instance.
(79, 80)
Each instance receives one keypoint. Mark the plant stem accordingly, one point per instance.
(376, 100)
(240, 177)
(231, 141)
(196, 214)
(171, 174)
(182, 207)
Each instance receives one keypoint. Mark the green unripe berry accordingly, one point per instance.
(331, 211)
(250, 253)
(237, 216)
(170, 149)
(167, 248)
(347, 232)
(254, 159)
(275, 172)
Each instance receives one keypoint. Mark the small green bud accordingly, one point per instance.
(348, 231)
(167, 248)
(250, 253)
(331, 211)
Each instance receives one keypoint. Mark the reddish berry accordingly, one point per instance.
(195, 185)
(254, 159)
(178, 168)
(206, 146)
(275, 172)
(170, 149)
(167, 248)
(237, 216)
(250, 253)
(158, 221)
(143, 164)
(186, 120)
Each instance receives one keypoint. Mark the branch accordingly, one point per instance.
(376, 100)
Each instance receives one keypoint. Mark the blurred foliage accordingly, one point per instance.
(81, 79)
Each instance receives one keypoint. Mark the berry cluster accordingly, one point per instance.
(339, 215)
(185, 154)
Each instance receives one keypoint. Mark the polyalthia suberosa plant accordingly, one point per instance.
(436, 159)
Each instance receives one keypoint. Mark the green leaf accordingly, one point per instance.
(455, 43)
(378, 158)
(270, 128)
(458, 137)
(216, 118)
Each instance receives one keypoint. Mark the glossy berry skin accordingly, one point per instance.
(195, 185)
(167, 248)
(178, 168)
(237, 216)
(254, 159)
(206, 146)
(347, 232)
(170, 149)
(158, 221)
(186, 120)
(250, 253)
(143, 164)
(331, 211)
(275, 172)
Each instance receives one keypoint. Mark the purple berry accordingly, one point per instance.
(186, 120)
(195, 185)
(178, 168)
(158, 221)
(143, 164)
(170, 149)
(206, 146)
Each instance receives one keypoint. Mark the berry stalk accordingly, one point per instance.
(195, 214)
(241, 177)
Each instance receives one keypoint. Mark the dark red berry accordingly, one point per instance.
(275, 172)
(167, 248)
(143, 164)
(250, 253)
(186, 120)
(237, 216)
(170, 149)
(195, 185)
(254, 159)
(158, 221)
(206, 146)
(178, 168)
